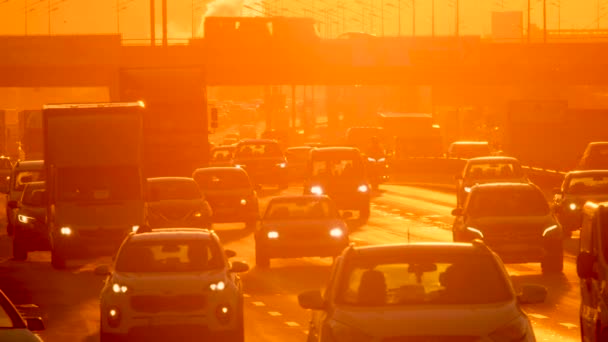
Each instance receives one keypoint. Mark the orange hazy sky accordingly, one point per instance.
(100, 16)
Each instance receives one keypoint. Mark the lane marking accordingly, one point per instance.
(245, 295)
(274, 313)
(537, 316)
(569, 325)
(258, 303)
(292, 324)
(409, 214)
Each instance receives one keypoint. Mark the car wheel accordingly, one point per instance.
(57, 260)
(261, 259)
(553, 263)
(19, 250)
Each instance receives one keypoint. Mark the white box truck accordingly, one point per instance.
(96, 189)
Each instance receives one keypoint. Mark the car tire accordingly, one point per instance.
(19, 249)
(553, 263)
(261, 259)
(57, 260)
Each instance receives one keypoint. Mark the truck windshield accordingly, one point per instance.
(98, 183)
(25, 177)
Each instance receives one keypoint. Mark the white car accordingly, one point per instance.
(172, 281)
(420, 292)
(14, 327)
(484, 170)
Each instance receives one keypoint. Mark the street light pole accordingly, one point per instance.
(49, 19)
(528, 33)
(413, 18)
(544, 21)
(457, 18)
(118, 16)
(432, 18)
(25, 12)
(399, 17)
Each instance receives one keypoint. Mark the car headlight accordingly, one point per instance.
(135, 228)
(516, 330)
(371, 159)
(467, 189)
(239, 166)
(572, 206)
(381, 160)
(218, 286)
(282, 165)
(336, 232)
(25, 219)
(197, 214)
(273, 234)
(362, 188)
(340, 332)
(549, 230)
(475, 231)
(317, 190)
(243, 201)
(119, 288)
(65, 231)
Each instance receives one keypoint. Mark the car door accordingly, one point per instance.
(590, 287)
(320, 317)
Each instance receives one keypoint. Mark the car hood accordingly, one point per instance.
(18, 335)
(512, 222)
(455, 320)
(170, 282)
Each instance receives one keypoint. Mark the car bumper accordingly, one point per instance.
(298, 249)
(227, 214)
(85, 243)
(34, 237)
(523, 252)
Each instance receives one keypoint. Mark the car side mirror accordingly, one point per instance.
(584, 265)
(239, 267)
(311, 300)
(34, 324)
(12, 204)
(102, 270)
(230, 253)
(457, 212)
(532, 294)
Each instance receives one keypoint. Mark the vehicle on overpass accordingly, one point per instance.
(401, 292)
(94, 167)
(31, 229)
(578, 188)
(172, 284)
(300, 226)
(595, 156)
(263, 160)
(340, 173)
(15, 327)
(484, 170)
(514, 219)
(230, 193)
(176, 202)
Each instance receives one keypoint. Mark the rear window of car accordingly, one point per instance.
(494, 170)
(221, 154)
(5, 164)
(422, 279)
(165, 191)
(222, 180)
(258, 150)
(507, 202)
(301, 208)
(587, 185)
(158, 256)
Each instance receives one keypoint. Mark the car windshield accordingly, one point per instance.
(345, 167)
(258, 150)
(588, 185)
(301, 209)
(5, 319)
(33, 197)
(508, 202)
(173, 190)
(422, 279)
(100, 183)
(494, 170)
(25, 177)
(163, 256)
(221, 154)
(222, 181)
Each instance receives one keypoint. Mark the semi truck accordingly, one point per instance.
(95, 183)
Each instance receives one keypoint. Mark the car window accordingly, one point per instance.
(508, 202)
(439, 279)
(169, 256)
(258, 150)
(221, 154)
(107, 183)
(494, 170)
(298, 209)
(166, 191)
(24, 177)
(343, 167)
(222, 181)
(5, 319)
(588, 185)
(33, 197)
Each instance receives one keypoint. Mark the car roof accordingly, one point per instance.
(334, 149)
(170, 179)
(299, 148)
(506, 185)
(173, 233)
(257, 141)
(421, 247)
(587, 172)
(470, 143)
(36, 185)
(598, 143)
(30, 165)
(493, 159)
(287, 198)
(219, 169)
